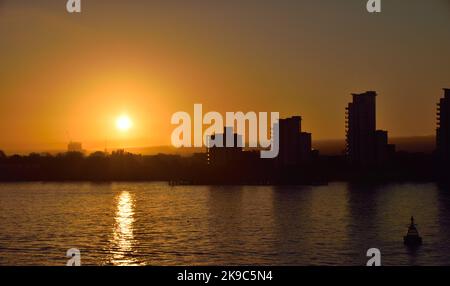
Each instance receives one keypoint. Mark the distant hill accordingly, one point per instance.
(425, 144)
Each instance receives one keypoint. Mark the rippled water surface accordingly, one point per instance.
(155, 224)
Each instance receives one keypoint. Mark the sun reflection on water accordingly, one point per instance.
(123, 238)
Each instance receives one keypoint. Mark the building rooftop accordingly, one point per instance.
(367, 93)
(446, 92)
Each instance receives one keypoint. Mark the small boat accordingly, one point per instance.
(412, 238)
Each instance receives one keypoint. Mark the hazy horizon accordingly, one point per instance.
(423, 144)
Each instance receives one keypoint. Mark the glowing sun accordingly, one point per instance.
(124, 123)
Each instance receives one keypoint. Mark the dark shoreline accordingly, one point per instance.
(196, 170)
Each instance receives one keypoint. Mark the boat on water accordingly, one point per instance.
(412, 238)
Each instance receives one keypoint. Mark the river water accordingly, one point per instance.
(158, 224)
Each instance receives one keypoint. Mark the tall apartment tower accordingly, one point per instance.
(221, 156)
(361, 128)
(443, 127)
(295, 145)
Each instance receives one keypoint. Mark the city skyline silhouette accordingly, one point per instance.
(368, 157)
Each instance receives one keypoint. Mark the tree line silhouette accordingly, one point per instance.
(246, 168)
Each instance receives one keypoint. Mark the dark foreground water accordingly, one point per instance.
(155, 224)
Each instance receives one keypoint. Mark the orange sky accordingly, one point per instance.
(68, 77)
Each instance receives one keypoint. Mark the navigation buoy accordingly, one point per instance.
(412, 238)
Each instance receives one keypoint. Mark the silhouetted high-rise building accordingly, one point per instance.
(443, 127)
(383, 150)
(295, 146)
(361, 127)
(305, 146)
(225, 155)
(365, 145)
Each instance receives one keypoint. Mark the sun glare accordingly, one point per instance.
(124, 123)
